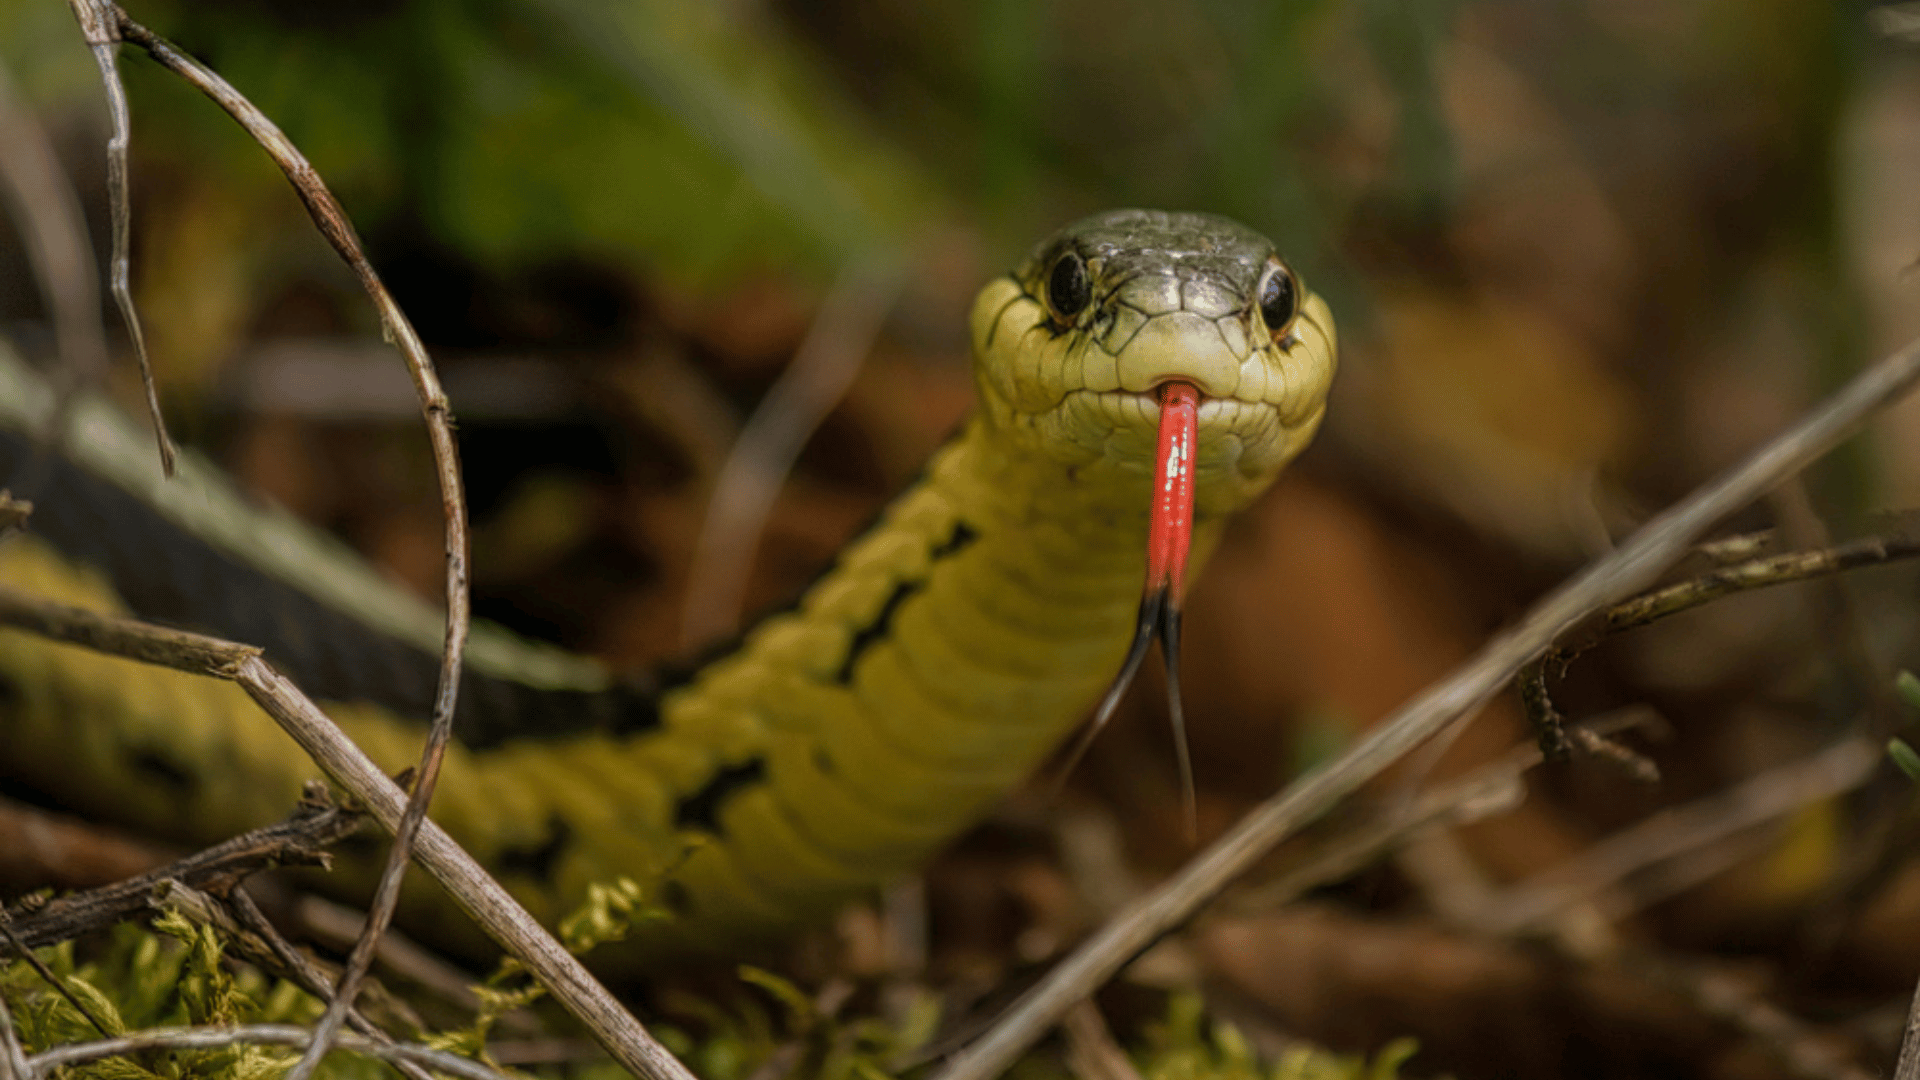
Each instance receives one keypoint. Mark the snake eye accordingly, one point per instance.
(1068, 291)
(1279, 299)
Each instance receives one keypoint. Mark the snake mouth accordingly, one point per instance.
(1158, 384)
(1119, 411)
(1232, 436)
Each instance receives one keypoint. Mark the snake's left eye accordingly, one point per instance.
(1279, 299)
(1068, 290)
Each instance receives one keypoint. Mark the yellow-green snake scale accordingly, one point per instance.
(948, 649)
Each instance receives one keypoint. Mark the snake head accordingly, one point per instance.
(1070, 348)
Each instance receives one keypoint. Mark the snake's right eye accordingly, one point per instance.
(1279, 299)
(1068, 291)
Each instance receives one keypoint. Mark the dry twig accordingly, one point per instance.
(1656, 604)
(1605, 582)
(105, 25)
(294, 964)
(100, 25)
(300, 840)
(1758, 574)
(338, 927)
(1492, 789)
(479, 894)
(262, 1034)
(1091, 1052)
(13, 1060)
(839, 340)
(1681, 832)
(1908, 1067)
(198, 883)
(1718, 993)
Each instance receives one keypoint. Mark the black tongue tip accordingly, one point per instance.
(1177, 716)
(1153, 617)
(1159, 617)
(1153, 607)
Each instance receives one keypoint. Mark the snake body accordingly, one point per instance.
(949, 648)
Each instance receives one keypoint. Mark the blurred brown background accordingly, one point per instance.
(1583, 254)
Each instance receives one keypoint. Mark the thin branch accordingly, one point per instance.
(478, 894)
(99, 24)
(300, 840)
(1721, 995)
(216, 1038)
(1657, 604)
(339, 927)
(1605, 582)
(1680, 832)
(1091, 1052)
(743, 494)
(1908, 1067)
(13, 1060)
(242, 922)
(338, 230)
(1492, 789)
(543, 1051)
(1758, 574)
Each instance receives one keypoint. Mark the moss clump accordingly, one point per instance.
(172, 975)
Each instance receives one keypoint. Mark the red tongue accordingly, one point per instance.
(1169, 534)
(1170, 522)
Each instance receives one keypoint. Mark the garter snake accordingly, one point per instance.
(948, 649)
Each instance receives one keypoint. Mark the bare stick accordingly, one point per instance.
(215, 1038)
(13, 1060)
(479, 894)
(339, 926)
(1091, 1052)
(338, 230)
(839, 340)
(242, 921)
(99, 24)
(1608, 580)
(1908, 1067)
(299, 840)
(1758, 574)
(1492, 789)
(1657, 604)
(1681, 831)
(1720, 994)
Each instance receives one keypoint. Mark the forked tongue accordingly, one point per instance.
(1169, 534)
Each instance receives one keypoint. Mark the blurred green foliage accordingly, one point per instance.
(705, 140)
(667, 133)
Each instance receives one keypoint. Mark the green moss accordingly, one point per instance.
(177, 974)
(173, 975)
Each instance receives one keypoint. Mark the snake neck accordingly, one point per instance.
(1084, 520)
